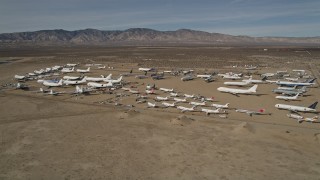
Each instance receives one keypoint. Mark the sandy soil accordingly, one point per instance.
(82, 137)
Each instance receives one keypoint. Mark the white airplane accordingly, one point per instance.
(20, 78)
(114, 81)
(98, 79)
(288, 83)
(22, 86)
(71, 77)
(152, 105)
(241, 83)
(311, 108)
(69, 82)
(287, 88)
(189, 96)
(256, 81)
(51, 92)
(55, 68)
(250, 112)
(185, 109)
(211, 111)
(166, 90)
(226, 106)
(67, 70)
(145, 69)
(150, 91)
(198, 103)
(251, 90)
(166, 104)
(204, 75)
(292, 79)
(287, 98)
(174, 94)
(101, 67)
(233, 77)
(267, 75)
(300, 119)
(82, 90)
(99, 85)
(52, 84)
(41, 71)
(71, 65)
(179, 100)
(159, 98)
(133, 91)
(84, 70)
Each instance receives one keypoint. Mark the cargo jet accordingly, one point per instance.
(233, 91)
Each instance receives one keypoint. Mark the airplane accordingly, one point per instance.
(146, 69)
(166, 104)
(72, 65)
(71, 77)
(198, 104)
(189, 96)
(150, 91)
(99, 85)
(52, 83)
(288, 83)
(292, 79)
(159, 98)
(22, 86)
(125, 89)
(152, 105)
(226, 106)
(251, 67)
(209, 99)
(267, 75)
(20, 78)
(300, 119)
(84, 70)
(287, 88)
(250, 112)
(174, 94)
(256, 81)
(166, 90)
(51, 92)
(133, 91)
(114, 81)
(55, 68)
(157, 76)
(101, 67)
(141, 77)
(288, 97)
(208, 80)
(311, 108)
(211, 111)
(241, 83)
(204, 76)
(82, 90)
(185, 109)
(67, 70)
(290, 92)
(251, 90)
(41, 71)
(233, 77)
(187, 78)
(98, 79)
(179, 100)
(69, 82)
(149, 87)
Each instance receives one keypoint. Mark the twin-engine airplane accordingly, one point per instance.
(234, 91)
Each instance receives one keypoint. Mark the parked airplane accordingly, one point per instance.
(98, 79)
(250, 112)
(20, 78)
(189, 96)
(99, 85)
(300, 119)
(166, 90)
(52, 84)
(292, 79)
(204, 76)
(114, 81)
(179, 100)
(54, 93)
(82, 90)
(256, 81)
(287, 88)
(71, 65)
(290, 92)
(146, 69)
(166, 104)
(159, 98)
(211, 111)
(152, 105)
(67, 70)
(174, 94)
(150, 91)
(69, 82)
(101, 67)
(22, 86)
(251, 90)
(311, 108)
(226, 106)
(241, 83)
(84, 70)
(187, 78)
(288, 83)
(198, 103)
(185, 109)
(287, 98)
(133, 91)
(71, 77)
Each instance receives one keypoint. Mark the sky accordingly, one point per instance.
(258, 18)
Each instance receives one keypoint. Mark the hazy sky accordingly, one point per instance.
(236, 17)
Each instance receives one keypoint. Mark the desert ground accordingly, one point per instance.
(90, 137)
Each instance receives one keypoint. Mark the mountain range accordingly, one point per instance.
(143, 36)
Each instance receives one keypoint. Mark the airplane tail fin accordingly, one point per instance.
(120, 78)
(314, 105)
(109, 76)
(253, 88)
(60, 82)
(264, 78)
(88, 69)
(312, 80)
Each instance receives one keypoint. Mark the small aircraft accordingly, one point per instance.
(20, 78)
(166, 90)
(300, 119)
(185, 109)
(98, 79)
(69, 82)
(251, 90)
(250, 112)
(52, 83)
(84, 70)
(287, 98)
(179, 100)
(152, 105)
(211, 111)
(311, 108)
(159, 98)
(99, 85)
(288, 83)
(198, 103)
(67, 70)
(166, 104)
(226, 106)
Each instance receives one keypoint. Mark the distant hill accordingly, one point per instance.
(143, 36)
